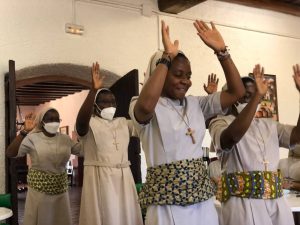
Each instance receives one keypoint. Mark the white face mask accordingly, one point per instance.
(107, 113)
(241, 106)
(52, 127)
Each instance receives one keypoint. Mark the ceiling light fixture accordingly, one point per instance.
(73, 28)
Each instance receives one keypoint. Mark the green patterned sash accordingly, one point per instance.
(48, 183)
(252, 184)
(183, 183)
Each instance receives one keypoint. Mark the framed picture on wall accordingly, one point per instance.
(269, 105)
(64, 130)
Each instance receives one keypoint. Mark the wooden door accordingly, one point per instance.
(124, 89)
(10, 134)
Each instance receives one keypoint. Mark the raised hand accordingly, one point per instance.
(97, 77)
(29, 123)
(210, 36)
(296, 76)
(170, 47)
(261, 83)
(212, 84)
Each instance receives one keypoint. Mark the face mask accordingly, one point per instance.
(106, 113)
(241, 106)
(52, 127)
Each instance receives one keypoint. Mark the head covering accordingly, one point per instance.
(244, 79)
(100, 90)
(247, 78)
(39, 119)
(152, 63)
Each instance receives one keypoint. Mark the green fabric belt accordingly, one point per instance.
(252, 184)
(48, 183)
(183, 183)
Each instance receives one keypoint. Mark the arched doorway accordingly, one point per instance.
(39, 84)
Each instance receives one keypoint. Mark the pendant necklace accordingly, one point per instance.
(263, 153)
(114, 135)
(190, 132)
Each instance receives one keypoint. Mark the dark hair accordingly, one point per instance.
(103, 92)
(46, 115)
(181, 55)
(247, 79)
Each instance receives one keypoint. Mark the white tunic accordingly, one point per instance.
(164, 140)
(108, 195)
(262, 140)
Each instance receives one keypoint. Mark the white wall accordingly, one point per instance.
(32, 33)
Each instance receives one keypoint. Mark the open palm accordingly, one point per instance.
(212, 84)
(261, 83)
(210, 36)
(296, 76)
(170, 47)
(97, 77)
(29, 123)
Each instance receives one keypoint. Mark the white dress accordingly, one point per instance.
(48, 154)
(164, 141)
(108, 195)
(262, 140)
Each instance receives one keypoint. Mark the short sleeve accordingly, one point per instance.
(25, 147)
(284, 135)
(132, 130)
(76, 148)
(211, 105)
(138, 126)
(216, 128)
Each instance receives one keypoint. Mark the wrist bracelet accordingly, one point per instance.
(168, 55)
(164, 61)
(224, 54)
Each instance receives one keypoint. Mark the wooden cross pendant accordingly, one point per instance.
(266, 162)
(116, 144)
(190, 133)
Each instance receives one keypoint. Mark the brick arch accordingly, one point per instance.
(73, 73)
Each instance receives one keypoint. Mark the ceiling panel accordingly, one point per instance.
(40, 93)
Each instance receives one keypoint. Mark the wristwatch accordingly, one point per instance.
(24, 133)
(164, 61)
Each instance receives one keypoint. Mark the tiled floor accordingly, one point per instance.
(74, 193)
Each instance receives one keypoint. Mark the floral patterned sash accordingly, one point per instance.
(252, 184)
(184, 182)
(48, 183)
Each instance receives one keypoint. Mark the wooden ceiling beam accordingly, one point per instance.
(292, 8)
(176, 6)
(46, 89)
